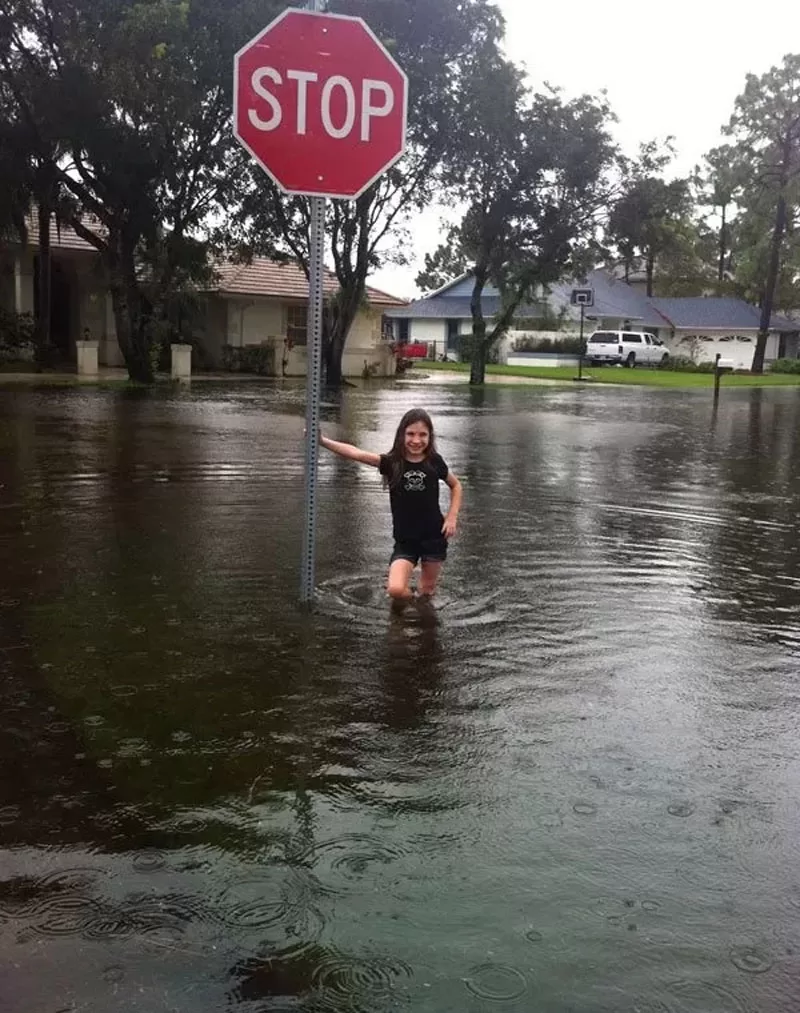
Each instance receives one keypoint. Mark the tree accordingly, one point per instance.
(29, 173)
(447, 262)
(531, 175)
(765, 127)
(433, 40)
(717, 185)
(650, 221)
(140, 109)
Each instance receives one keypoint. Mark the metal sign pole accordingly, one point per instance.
(316, 266)
(313, 383)
(581, 349)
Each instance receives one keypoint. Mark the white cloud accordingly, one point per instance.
(668, 69)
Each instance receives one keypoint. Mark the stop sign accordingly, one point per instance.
(320, 104)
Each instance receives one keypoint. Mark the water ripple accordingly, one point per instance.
(496, 982)
(362, 599)
(355, 983)
(350, 856)
(706, 997)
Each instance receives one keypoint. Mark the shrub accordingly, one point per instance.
(785, 366)
(683, 364)
(258, 359)
(16, 336)
(567, 346)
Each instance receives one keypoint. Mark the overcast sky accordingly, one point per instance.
(668, 69)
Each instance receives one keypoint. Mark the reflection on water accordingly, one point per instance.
(569, 786)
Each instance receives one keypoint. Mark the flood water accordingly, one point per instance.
(574, 791)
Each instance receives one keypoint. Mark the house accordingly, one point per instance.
(706, 326)
(697, 328)
(261, 303)
(265, 302)
(444, 317)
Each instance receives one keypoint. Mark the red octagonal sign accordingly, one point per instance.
(320, 104)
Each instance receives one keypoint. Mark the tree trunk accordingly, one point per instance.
(348, 302)
(477, 372)
(333, 360)
(771, 282)
(42, 346)
(477, 369)
(723, 246)
(131, 332)
(650, 270)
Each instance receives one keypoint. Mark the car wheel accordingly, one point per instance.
(630, 362)
(665, 358)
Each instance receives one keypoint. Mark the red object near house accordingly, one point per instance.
(320, 104)
(415, 350)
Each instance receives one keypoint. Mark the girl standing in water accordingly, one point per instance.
(412, 471)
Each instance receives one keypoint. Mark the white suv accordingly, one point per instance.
(630, 348)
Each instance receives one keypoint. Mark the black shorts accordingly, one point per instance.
(429, 550)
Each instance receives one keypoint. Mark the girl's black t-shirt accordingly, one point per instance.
(415, 498)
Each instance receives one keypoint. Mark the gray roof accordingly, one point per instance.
(454, 308)
(717, 312)
(612, 298)
(615, 299)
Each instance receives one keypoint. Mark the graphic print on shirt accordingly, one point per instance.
(414, 481)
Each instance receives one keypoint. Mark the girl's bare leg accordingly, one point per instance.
(429, 577)
(397, 585)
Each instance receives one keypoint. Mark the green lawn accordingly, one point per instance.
(613, 374)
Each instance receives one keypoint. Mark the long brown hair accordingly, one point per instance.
(398, 452)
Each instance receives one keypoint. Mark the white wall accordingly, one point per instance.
(23, 282)
(532, 359)
(738, 353)
(427, 330)
(250, 322)
(365, 347)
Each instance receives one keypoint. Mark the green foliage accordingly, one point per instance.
(132, 102)
(259, 359)
(434, 42)
(530, 172)
(684, 364)
(785, 366)
(765, 128)
(547, 319)
(650, 222)
(571, 346)
(16, 336)
(445, 264)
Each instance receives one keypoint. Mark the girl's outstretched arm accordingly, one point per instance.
(350, 452)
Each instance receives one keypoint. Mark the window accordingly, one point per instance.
(604, 338)
(297, 325)
(632, 339)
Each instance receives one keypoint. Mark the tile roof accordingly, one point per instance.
(262, 277)
(64, 238)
